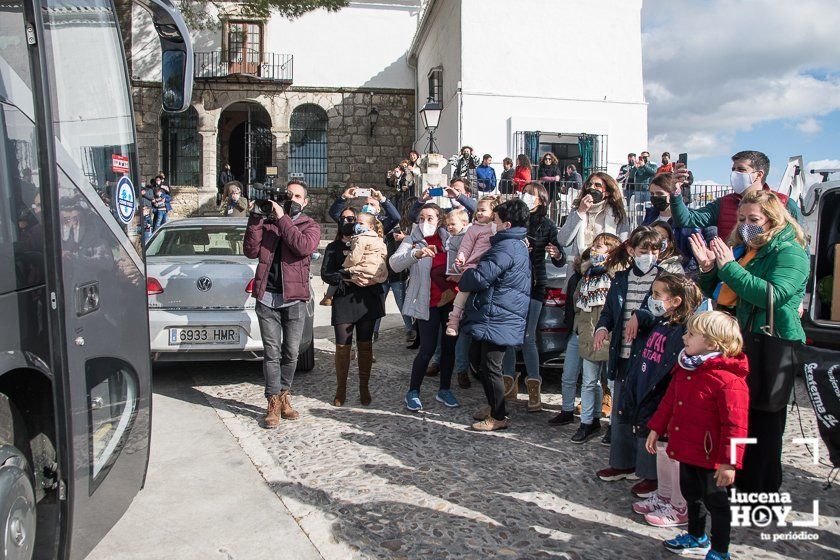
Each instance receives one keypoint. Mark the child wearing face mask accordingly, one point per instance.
(367, 255)
(670, 258)
(628, 290)
(661, 326)
(475, 243)
(368, 252)
(704, 409)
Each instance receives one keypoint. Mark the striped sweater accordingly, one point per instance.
(637, 288)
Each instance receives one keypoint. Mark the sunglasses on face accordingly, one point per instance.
(348, 219)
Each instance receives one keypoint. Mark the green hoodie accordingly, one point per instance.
(782, 264)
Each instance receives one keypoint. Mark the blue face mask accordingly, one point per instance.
(360, 228)
(598, 259)
(369, 209)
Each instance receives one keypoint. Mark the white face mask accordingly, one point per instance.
(529, 200)
(656, 307)
(740, 181)
(428, 229)
(645, 262)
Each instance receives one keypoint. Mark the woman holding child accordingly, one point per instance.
(354, 267)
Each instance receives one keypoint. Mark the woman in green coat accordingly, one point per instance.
(775, 259)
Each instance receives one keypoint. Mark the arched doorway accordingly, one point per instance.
(245, 141)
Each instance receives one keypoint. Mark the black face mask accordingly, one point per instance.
(292, 208)
(348, 228)
(659, 202)
(597, 196)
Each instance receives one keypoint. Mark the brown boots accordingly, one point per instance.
(365, 365)
(534, 401)
(511, 386)
(279, 406)
(272, 415)
(342, 368)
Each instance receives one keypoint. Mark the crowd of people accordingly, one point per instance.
(155, 205)
(663, 318)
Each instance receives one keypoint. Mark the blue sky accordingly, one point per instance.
(727, 75)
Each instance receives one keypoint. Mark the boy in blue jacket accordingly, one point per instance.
(495, 314)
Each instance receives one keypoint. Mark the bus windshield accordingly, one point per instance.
(91, 108)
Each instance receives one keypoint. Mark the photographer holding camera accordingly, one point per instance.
(283, 239)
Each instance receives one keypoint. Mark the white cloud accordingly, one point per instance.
(810, 125)
(716, 68)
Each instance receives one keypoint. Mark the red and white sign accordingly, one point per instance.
(119, 164)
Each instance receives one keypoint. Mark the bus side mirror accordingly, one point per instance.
(176, 54)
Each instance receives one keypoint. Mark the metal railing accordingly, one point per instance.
(264, 65)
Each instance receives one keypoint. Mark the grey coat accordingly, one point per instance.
(418, 288)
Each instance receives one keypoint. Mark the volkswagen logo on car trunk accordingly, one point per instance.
(204, 283)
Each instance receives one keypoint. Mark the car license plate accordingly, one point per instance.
(204, 335)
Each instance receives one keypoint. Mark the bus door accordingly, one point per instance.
(106, 383)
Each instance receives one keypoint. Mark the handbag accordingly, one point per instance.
(773, 362)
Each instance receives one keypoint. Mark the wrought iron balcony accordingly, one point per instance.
(249, 64)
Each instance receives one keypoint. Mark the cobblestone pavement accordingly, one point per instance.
(381, 482)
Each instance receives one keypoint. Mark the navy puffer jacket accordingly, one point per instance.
(501, 288)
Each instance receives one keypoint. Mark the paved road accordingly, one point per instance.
(380, 482)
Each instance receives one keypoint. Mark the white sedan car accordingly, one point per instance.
(199, 287)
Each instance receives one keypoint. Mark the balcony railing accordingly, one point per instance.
(262, 65)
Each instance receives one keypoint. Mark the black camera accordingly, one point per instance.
(264, 195)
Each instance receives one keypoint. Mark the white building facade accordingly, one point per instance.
(533, 76)
(334, 96)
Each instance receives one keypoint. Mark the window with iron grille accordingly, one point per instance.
(180, 147)
(436, 84)
(308, 144)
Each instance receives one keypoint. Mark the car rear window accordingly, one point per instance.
(197, 241)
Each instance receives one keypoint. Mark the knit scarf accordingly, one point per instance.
(693, 362)
(593, 290)
(599, 219)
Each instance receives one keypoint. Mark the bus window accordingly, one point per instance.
(91, 108)
(21, 222)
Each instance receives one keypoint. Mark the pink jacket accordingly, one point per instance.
(476, 242)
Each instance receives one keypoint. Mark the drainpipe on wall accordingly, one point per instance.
(460, 118)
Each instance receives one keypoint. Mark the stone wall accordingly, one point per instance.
(354, 155)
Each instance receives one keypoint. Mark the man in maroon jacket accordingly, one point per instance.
(283, 242)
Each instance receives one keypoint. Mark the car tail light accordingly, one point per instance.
(153, 287)
(250, 287)
(555, 297)
(809, 342)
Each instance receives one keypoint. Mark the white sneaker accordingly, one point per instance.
(650, 505)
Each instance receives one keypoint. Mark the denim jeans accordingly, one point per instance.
(398, 289)
(282, 331)
(590, 392)
(571, 373)
(161, 217)
(462, 353)
(530, 352)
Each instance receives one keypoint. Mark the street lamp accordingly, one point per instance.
(373, 115)
(430, 113)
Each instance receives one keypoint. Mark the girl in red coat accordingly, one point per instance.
(705, 407)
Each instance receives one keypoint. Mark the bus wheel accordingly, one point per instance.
(17, 493)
